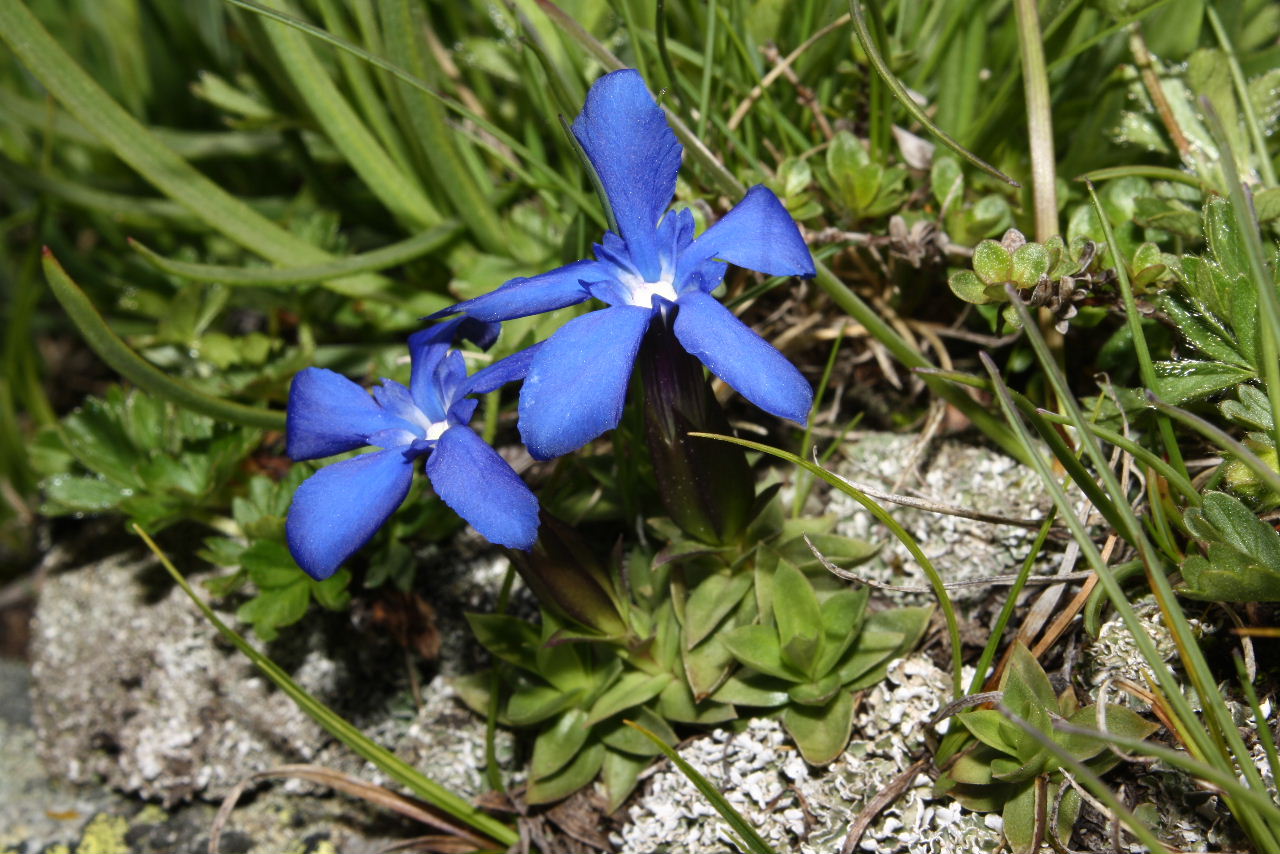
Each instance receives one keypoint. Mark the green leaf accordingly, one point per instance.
(620, 773)
(1204, 331)
(798, 617)
(533, 703)
(116, 353)
(676, 703)
(1026, 687)
(621, 736)
(275, 607)
(861, 665)
(1243, 553)
(1188, 380)
(821, 732)
(745, 688)
(817, 692)
(842, 615)
(557, 746)
(1030, 263)
(509, 638)
(757, 647)
(632, 689)
(844, 552)
(992, 263)
(578, 773)
(707, 665)
(715, 597)
(966, 285)
(991, 728)
(946, 180)
(1020, 820)
(1119, 720)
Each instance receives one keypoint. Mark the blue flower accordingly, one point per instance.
(577, 380)
(338, 509)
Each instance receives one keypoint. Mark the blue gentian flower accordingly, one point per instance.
(337, 509)
(577, 380)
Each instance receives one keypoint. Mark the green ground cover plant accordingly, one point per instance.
(1052, 224)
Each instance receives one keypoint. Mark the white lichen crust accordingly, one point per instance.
(797, 807)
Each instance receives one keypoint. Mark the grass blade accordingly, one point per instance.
(116, 353)
(400, 192)
(133, 143)
(904, 97)
(392, 765)
(746, 833)
(402, 27)
(378, 259)
(1133, 319)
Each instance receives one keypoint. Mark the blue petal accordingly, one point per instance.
(512, 368)
(742, 358)
(757, 234)
(522, 297)
(636, 157)
(578, 380)
(329, 414)
(426, 348)
(339, 508)
(483, 489)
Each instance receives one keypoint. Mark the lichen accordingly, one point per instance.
(104, 834)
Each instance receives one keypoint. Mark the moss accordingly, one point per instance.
(104, 834)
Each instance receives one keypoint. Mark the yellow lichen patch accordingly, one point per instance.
(104, 834)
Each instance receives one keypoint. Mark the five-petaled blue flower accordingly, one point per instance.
(339, 508)
(577, 378)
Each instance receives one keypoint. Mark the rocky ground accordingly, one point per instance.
(138, 719)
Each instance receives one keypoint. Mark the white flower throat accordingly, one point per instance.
(641, 293)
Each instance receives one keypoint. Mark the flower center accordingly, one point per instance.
(641, 293)
(436, 429)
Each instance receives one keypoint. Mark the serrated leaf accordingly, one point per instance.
(276, 607)
(1243, 555)
(1203, 331)
(1187, 380)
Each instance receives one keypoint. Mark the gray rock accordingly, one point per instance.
(135, 690)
